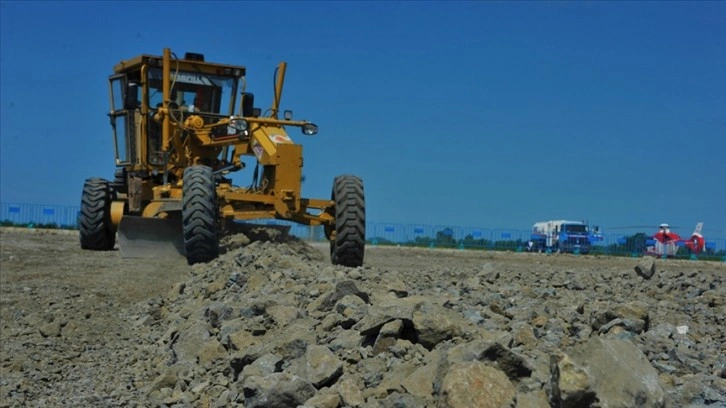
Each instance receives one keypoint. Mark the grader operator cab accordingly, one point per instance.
(180, 126)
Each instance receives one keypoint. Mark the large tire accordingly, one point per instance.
(200, 215)
(94, 222)
(347, 247)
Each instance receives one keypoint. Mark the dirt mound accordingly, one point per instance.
(241, 235)
(271, 323)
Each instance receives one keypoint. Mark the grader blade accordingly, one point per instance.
(157, 238)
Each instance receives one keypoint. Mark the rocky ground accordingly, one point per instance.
(272, 324)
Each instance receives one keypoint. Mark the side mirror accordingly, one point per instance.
(131, 100)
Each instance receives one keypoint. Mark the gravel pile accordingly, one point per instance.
(272, 324)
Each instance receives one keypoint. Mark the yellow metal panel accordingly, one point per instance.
(117, 212)
(152, 209)
(162, 208)
(251, 197)
(254, 215)
(318, 203)
(261, 139)
(288, 174)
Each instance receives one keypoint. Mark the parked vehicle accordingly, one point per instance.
(563, 236)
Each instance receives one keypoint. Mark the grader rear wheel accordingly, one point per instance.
(94, 223)
(347, 247)
(199, 215)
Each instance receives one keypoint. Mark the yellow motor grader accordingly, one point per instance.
(180, 127)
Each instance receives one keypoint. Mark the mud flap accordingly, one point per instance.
(157, 238)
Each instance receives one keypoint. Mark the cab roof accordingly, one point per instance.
(135, 63)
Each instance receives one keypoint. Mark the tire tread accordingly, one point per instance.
(199, 215)
(348, 246)
(94, 222)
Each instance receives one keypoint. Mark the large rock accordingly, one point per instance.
(321, 400)
(421, 382)
(278, 390)
(506, 360)
(191, 341)
(570, 386)
(476, 384)
(609, 371)
(388, 309)
(350, 392)
(434, 324)
(387, 336)
(631, 316)
(322, 366)
(646, 267)
(263, 366)
(342, 289)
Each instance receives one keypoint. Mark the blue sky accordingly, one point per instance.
(487, 114)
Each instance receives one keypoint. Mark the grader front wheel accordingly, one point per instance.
(199, 215)
(94, 223)
(347, 246)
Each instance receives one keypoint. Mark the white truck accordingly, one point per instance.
(563, 236)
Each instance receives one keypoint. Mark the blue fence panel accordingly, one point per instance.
(12, 213)
(305, 231)
(523, 235)
(479, 233)
(447, 236)
(715, 246)
(507, 239)
(24, 213)
(416, 234)
(476, 237)
(384, 233)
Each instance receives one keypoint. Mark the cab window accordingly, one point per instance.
(194, 92)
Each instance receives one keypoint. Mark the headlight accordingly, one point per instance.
(310, 129)
(239, 125)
